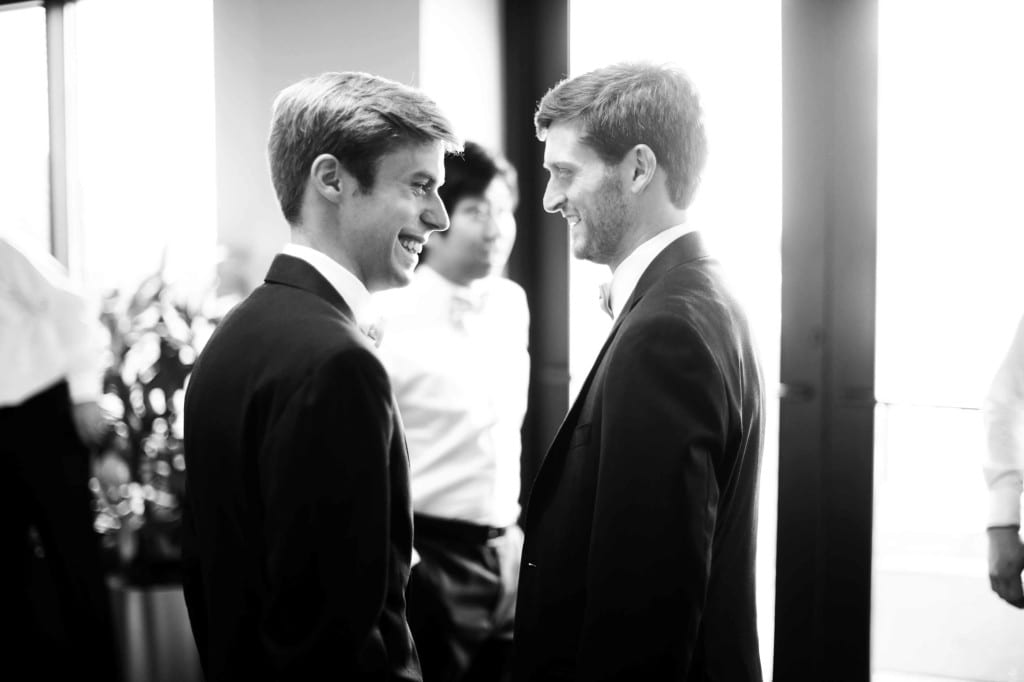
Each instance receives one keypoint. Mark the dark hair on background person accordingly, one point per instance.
(470, 173)
(357, 118)
(467, 175)
(631, 103)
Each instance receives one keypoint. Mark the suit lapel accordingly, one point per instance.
(687, 248)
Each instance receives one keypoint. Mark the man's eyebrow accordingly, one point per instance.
(425, 175)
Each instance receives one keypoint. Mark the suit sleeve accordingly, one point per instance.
(325, 479)
(663, 421)
(192, 583)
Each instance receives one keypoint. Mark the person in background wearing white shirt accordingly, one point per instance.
(1003, 411)
(455, 346)
(54, 351)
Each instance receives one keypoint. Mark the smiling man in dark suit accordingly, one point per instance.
(641, 523)
(298, 524)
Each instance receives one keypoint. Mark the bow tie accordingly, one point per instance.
(465, 302)
(374, 331)
(605, 293)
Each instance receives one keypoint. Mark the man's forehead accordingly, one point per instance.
(416, 157)
(563, 143)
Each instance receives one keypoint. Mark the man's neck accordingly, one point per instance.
(303, 237)
(649, 224)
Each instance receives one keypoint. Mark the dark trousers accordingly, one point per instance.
(462, 598)
(55, 596)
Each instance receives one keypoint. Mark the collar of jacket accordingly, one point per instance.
(686, 249)
(295, 272)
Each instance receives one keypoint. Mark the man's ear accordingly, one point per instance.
(641, 164)
(328, 178)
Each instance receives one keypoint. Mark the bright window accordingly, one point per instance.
(24, 126)
(950, 292)
(142, 119)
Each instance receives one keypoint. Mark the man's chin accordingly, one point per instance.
(581, 252)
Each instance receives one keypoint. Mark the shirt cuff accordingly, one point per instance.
(1004, 507)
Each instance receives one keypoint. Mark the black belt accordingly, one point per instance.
(453, 529)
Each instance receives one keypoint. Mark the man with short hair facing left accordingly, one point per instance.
(297, 524)
(463, 404)
(641, 522)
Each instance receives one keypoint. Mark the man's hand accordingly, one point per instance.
(91, 422)
(1005, 564)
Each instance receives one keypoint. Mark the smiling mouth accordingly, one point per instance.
(573, 220)
(412, 245)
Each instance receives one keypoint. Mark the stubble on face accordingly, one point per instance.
(599, 237)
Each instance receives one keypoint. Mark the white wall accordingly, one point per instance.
(460, 65)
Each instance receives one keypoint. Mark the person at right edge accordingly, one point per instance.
(641, 523)
(1003, 412)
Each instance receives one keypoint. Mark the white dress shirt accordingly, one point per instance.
(48, 331)
(632, 268)
(348, 285)
(1003, 412)
(459, 365)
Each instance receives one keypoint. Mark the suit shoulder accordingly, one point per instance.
(281, 332)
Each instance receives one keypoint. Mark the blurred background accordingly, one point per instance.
(861, 190)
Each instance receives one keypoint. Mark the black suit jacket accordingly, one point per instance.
(297, 522)
(641, 524)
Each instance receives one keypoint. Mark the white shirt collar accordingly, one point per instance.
(348, 285)
(632, 268)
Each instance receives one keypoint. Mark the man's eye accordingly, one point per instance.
(421, 187)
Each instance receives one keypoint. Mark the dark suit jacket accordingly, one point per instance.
(640, 527)
(297, 522)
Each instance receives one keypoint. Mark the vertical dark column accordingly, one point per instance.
(823, 589)
(536, 37)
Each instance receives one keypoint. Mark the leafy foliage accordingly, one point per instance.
(155, 339)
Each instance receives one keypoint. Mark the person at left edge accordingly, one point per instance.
(54, 351)
(298, 522)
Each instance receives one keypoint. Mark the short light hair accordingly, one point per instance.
(357, 118)
(620, 106)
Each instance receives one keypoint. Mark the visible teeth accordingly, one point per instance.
(572, 220)
(411, 245)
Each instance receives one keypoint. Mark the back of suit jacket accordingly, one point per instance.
(298, 524)
(641, 524)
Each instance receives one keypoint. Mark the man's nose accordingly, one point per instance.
(435, 216)
(553, 198)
